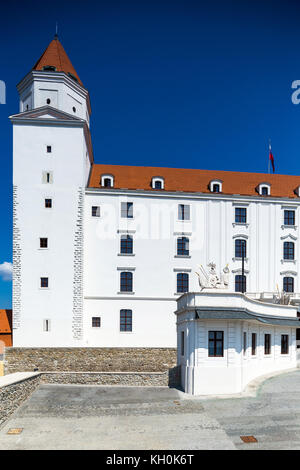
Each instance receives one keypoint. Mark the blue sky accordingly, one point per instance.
(172, 83)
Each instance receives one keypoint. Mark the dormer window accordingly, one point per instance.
(49, 68)
(72, 76)
(158, 182)
(297, 191)
(107, 181)
(264, 189)
(215, 186)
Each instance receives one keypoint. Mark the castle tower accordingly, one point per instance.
(52, 157)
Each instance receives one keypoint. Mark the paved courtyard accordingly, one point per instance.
(97, 417)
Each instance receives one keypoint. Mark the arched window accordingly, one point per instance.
(240, 283)
(240, 248)
(215, 186)
(288, 284)
(126, 244)
(158, 182)
(288, 250)
(107, 181)
(264, 189)
(183, 246)
(182, 282)
(126, 281)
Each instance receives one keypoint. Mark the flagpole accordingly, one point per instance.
(269, 156)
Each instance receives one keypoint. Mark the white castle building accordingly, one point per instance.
(101, 252)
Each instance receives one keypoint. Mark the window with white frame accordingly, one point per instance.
(183, 212)
(158, 182)
(107, 181)
(95, 211)
(264, 189)
(215, 186)
(46, 325)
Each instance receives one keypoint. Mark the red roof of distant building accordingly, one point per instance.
(192, 180)
(5, 321)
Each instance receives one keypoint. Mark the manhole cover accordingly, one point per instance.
(15, 431)
(248, 439)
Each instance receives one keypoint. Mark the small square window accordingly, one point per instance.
(96, 322)
(48, 203)
(44, 282)
(49, 149)
(95, 211)
(43, 242)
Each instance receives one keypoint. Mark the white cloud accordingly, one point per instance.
(6, 271)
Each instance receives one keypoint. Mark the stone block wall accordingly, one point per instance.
(89, 359)
(13, 395)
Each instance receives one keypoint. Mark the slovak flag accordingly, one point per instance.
(271, 158)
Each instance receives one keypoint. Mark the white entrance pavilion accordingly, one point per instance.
(225, 340)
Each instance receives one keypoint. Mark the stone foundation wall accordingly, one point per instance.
(13, 395)
(137, 379)
(89, 359)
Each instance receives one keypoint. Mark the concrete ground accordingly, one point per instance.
(121, 418)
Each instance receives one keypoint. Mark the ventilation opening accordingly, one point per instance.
(49, 68)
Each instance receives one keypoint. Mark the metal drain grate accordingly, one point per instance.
(15, 431)
(248, 439)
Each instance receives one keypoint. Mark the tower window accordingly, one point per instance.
(48, 101)
(46, 325)
(44, 282)
(43, 242)
(74, 109)
(95, 211)
(96, 322)
(48, 203)
(49, 68)
(49, 149)
(183, 212)
(47, 177)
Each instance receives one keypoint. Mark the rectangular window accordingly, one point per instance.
(289, 217)
(48, 203)
(126, 320)
(240, 283)
(215, 343)
(183, 246)
(126, 245)
(183, 212)
(267, 343)
(182, 282)
(49, 149)
(44, 282)
(284, 344)
(288, 284)
(95, 211)
(182, 343)
(46, 325)
(240, 215)
(253, 344)
(126, 281)
(43, 242)
(240, 248)
(288, 250)
(127, 210)
(47, 177)
(244, 343)
(96, 322)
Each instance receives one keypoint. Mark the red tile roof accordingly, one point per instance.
(191, 180)
(5, 321)
(56, 56)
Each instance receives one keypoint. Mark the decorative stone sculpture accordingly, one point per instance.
(210, 279)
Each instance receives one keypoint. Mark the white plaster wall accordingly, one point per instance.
(58, 224)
